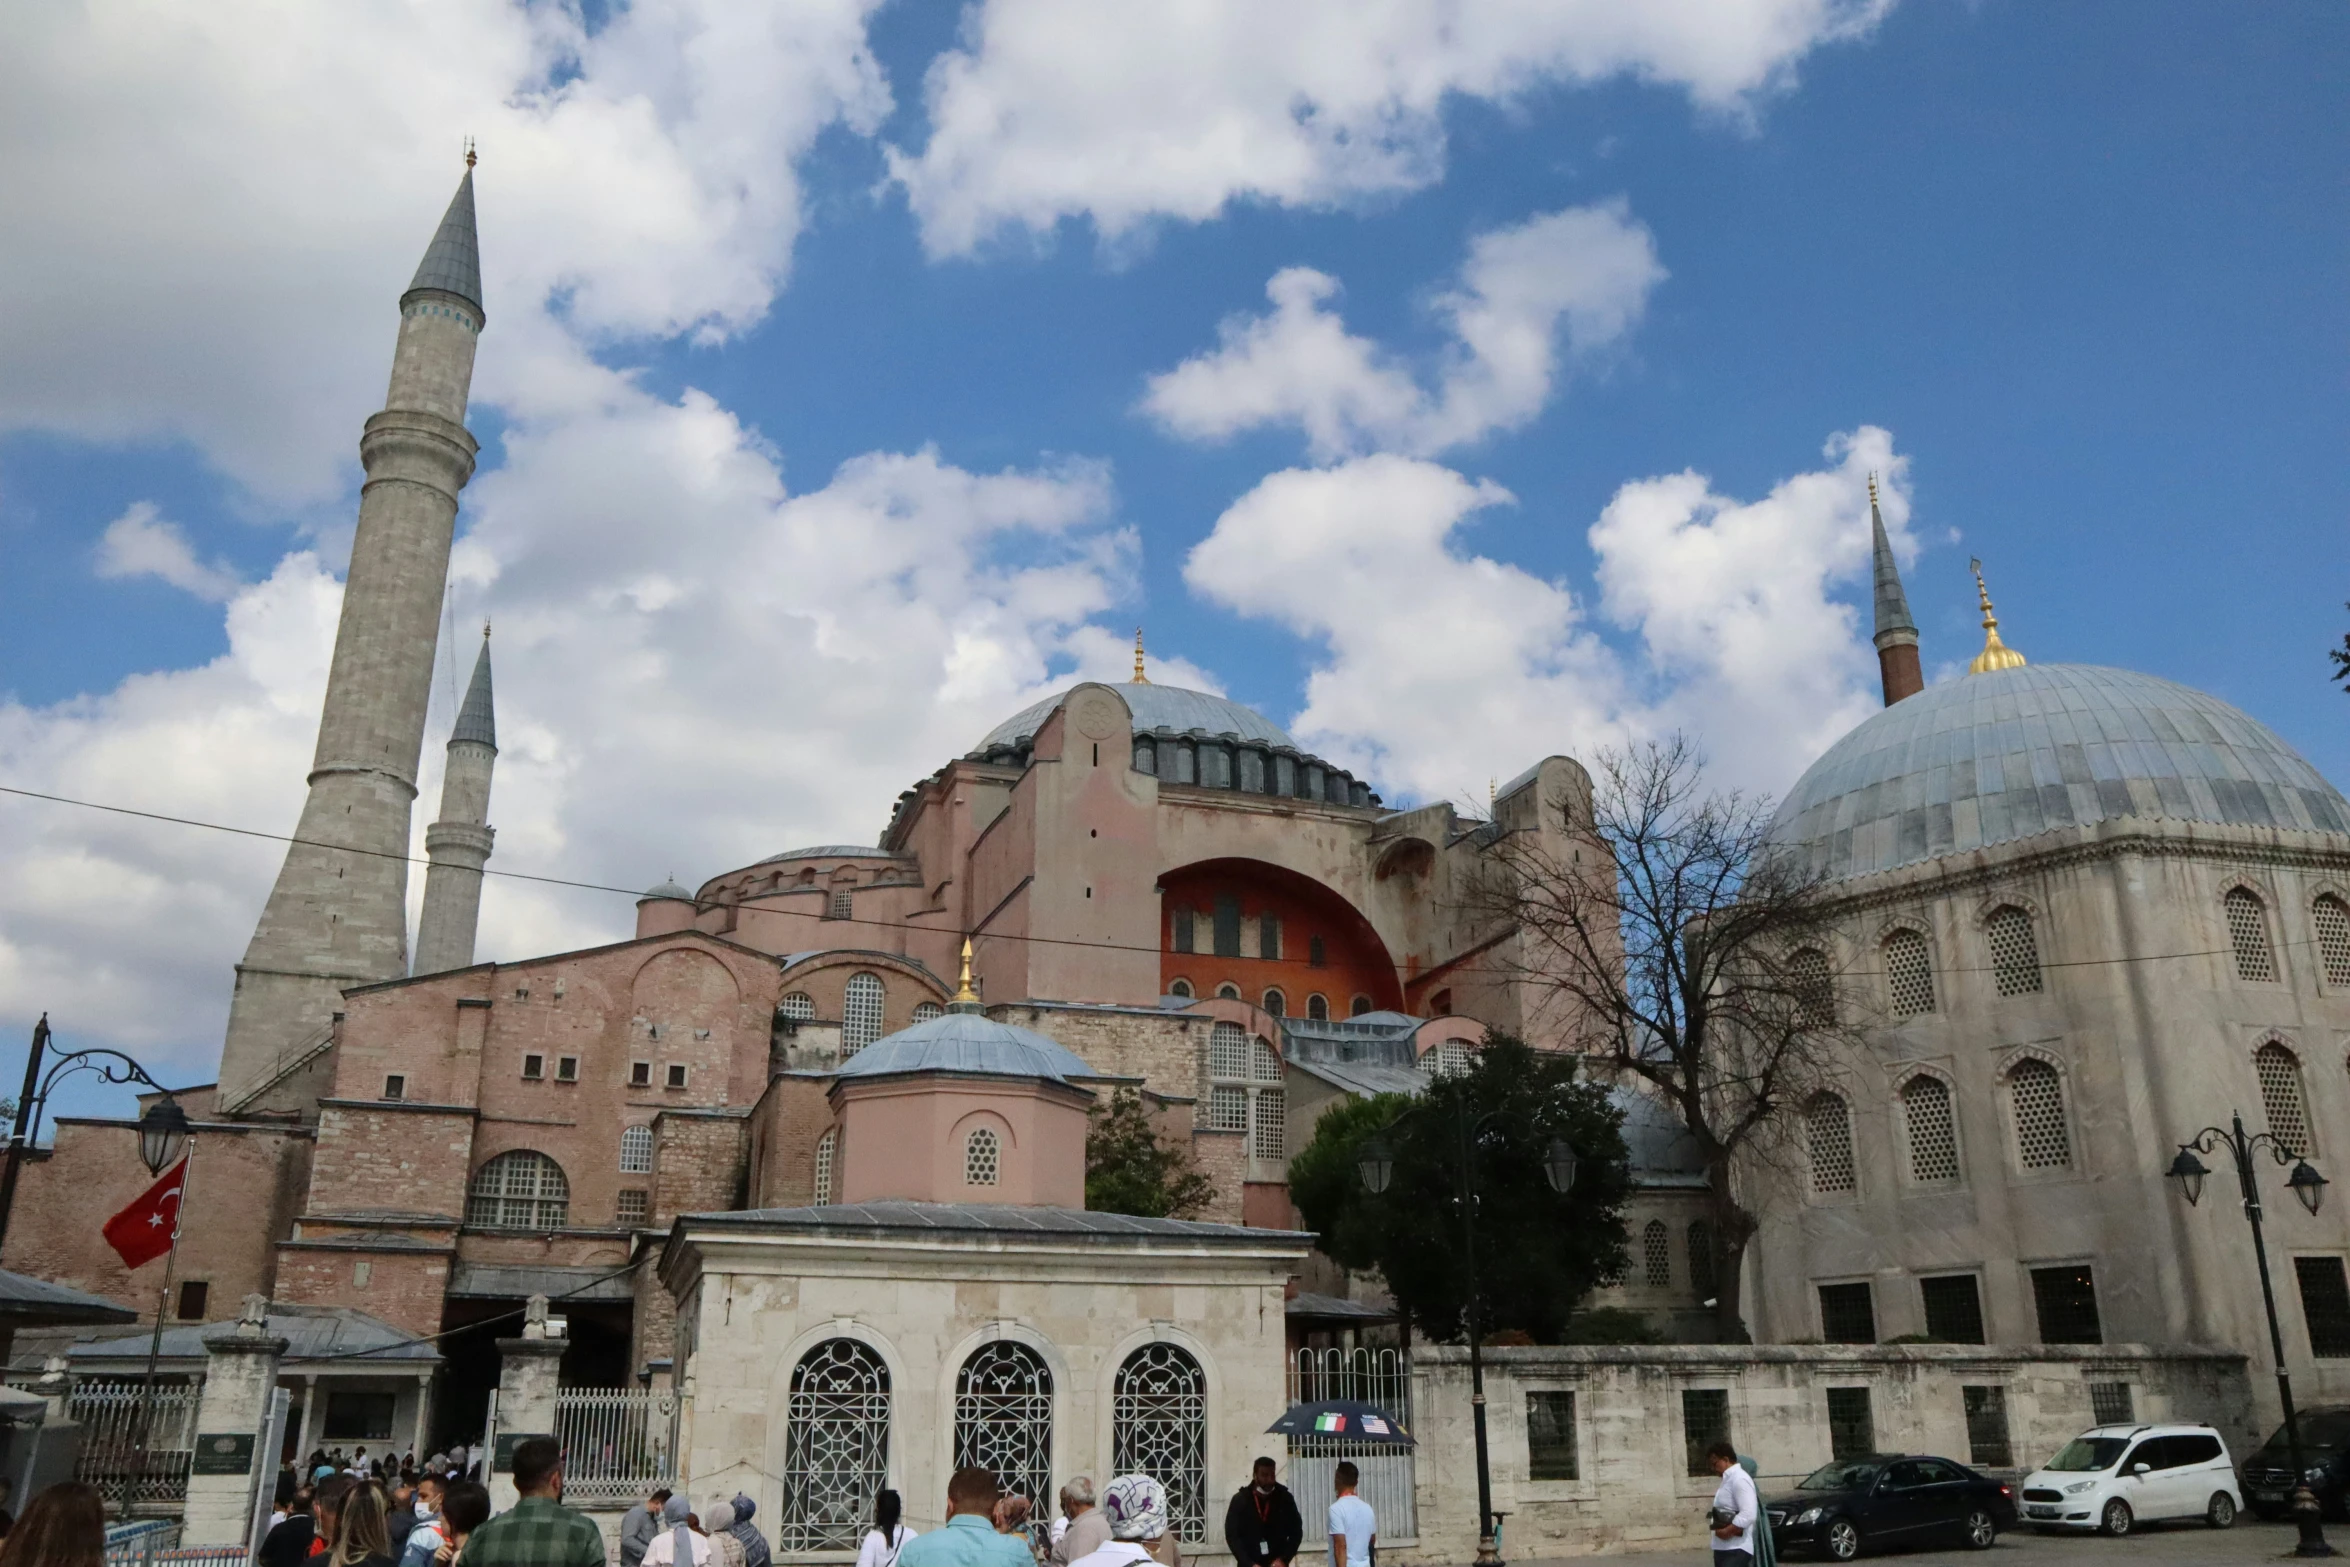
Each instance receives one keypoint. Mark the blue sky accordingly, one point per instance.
(2082, 265)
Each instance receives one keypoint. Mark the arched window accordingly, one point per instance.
(2015, 954)
(1228, 992)
(1909, 973)
(860, 1014)
(1004, 1419)
(2279, 1072)
(1181, 987)
(799, 1006)
(827, 1151)
(1701, 1259)
(2332, 918)
(2248, 934)
(1448, 1059)
(925, 1011)
(1318, 1008)
(1814, 985)
(2043, 1140)
(1359, 1006)
(1656, 1254)
(1276, 1003)
(1159, 1427)
(1227, 1050)
(1933, 1133)
(1264, 1061)
(521, 1190)
(636, 1151)
(1827, 1126)
(982, 1157)
(835, 1446)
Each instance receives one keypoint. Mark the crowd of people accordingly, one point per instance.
(391, 1512)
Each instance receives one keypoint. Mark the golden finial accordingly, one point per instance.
(485, 628)
(1492, 797)
(1996, 654)
(1872, 491)
(469, 152)
(1140, 678)
(964, 994)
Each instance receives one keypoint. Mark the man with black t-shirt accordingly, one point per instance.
(1262, 1526)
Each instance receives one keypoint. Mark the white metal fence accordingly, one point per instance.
(107, 1409)
(1379, 1377)
(618, 1443)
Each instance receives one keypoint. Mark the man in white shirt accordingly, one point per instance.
(1736, 1504)
(1354, 1528)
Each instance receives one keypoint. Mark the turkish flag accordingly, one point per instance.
(143, 1231)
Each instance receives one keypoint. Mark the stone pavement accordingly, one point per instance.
(2249, 1541)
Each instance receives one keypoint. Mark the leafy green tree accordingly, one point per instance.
(1538, 1252)
(1129, 1168)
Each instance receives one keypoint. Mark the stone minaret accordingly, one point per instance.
(459, 843)
(1897, 633)
(338, 916)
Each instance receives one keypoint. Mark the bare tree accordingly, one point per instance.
(1685, 955)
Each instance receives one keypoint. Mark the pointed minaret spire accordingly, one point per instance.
(338, 914)
(1898, 670)
(458, 845)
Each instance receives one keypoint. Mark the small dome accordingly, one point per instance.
(2006, 755)
(968, 1042)
(667, 889)
(1155, 707)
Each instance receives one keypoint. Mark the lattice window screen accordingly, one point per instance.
(827, 1149)
(1909, 973)
(2042, 1140)
(1228, 1109)
(799, 1006)
(860, 1014)
(1933, 1135)
(843, 905)
(1815, 987)
(1272, 1124)
(636, 1151)
(927, 1010)
(1266, 1061)
(2248, 933)
(1701, 1257)
(633, 1205)
(982, 1158)
(1227, 1051)
(2332, 918)
(836, 1446)
(2280, 1097)
(2015, 955)
(1828, 1128)
(520, 1190)
(1449, 1059)
(1656, 1245)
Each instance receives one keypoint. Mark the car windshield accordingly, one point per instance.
(2088, 1454)
(1840, 1477)
(2329, 1428)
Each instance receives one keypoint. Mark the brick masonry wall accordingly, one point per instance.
(401, 1285)
(698, 1164)
(791, 1117)
(380, 1158)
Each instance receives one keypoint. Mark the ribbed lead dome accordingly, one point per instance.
(1155, 707)
(968, 1042)
(1997, 757)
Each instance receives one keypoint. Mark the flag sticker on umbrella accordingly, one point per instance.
(1374, 1426)
(1329, 1422)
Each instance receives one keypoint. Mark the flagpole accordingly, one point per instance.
(171, 1260)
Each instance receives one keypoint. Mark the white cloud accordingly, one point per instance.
(1584, 274)
(143, 543)
(1055, 109)
(1441, 668)
(213, 207)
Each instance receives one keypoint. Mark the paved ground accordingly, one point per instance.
(2249, 1541)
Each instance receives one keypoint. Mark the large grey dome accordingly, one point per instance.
(968, 1042)
(2001, 756)
(1155, 707)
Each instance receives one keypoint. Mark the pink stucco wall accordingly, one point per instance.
(904, 1139)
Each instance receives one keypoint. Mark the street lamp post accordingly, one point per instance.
(2309, 1187)
(1377, 1168)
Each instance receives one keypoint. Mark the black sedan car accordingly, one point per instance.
(2325, 1459)
(1845, 1508)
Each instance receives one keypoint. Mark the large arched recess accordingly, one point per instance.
(1354, 960)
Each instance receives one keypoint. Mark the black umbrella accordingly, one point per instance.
(1342, 1419)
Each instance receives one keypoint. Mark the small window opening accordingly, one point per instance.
(676, 1075)
(534, 1066)
(640, 1074)
(395, 1085)
(567, 1069)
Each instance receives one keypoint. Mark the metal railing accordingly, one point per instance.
(618, 1443)
(107, 1409)
(156, 1543)
(1379, 1377)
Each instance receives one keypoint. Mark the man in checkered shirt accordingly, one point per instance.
(538, 1530)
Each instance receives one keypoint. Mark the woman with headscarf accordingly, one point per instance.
(680, 1543)
(1766, 1554)
(1136, 1506)
(718, 1526)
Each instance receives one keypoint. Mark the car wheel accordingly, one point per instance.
(2221, 1514)
(2116, 1519)
(1840, 1540)
(1981, 1530)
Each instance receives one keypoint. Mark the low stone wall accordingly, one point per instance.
(1630, 1483)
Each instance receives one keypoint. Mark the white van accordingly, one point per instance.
(2114, 1478)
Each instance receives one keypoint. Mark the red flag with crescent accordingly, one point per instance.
(143, 1231)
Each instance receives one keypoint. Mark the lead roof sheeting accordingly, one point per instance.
(968, 1042)
(30, 1301)
(2006, 755)
(495, 1282)
(1155, 707)
(452, 263)
(310, 1332)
